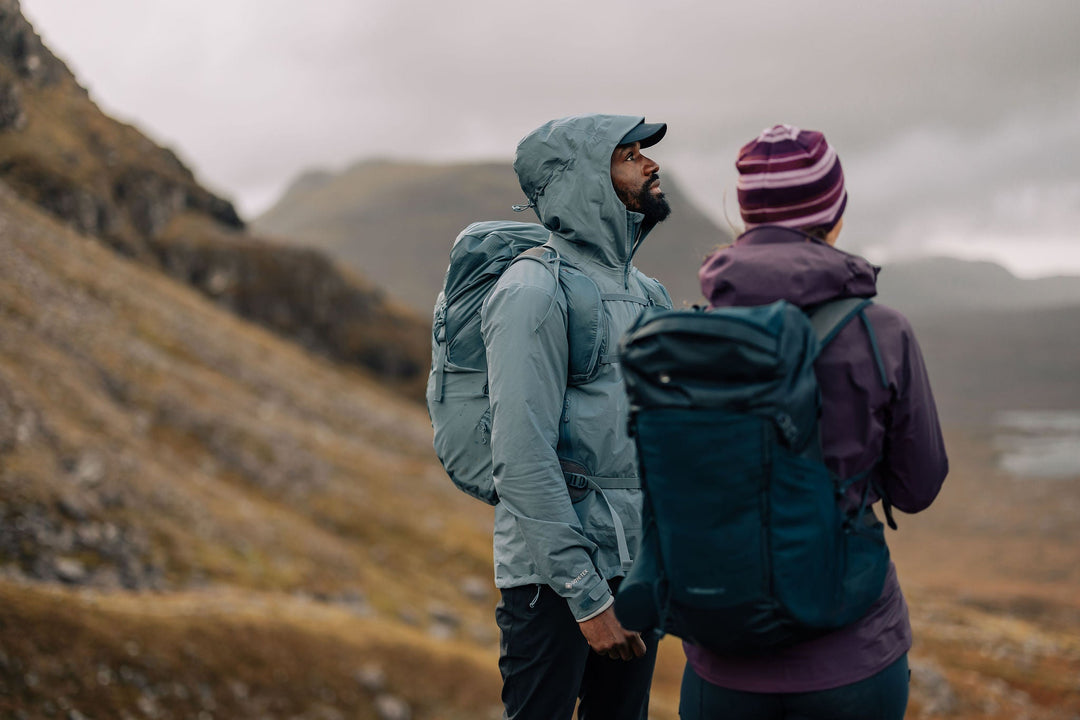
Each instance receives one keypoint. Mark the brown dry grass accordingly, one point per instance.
(992, 578)
(228, 653)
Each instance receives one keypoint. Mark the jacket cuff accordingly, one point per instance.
(602, 608)
(591, 601)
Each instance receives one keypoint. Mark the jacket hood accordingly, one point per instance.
(564, 168)
(771, 263)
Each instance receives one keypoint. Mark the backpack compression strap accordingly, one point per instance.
(577, 479)
(438, 331)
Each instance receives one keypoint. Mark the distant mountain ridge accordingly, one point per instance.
(395, 221)
(940, 284)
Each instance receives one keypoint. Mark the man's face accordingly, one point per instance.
(636, 180)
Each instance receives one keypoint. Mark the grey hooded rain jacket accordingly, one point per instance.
(542, 534)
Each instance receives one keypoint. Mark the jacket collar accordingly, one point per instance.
(771, 263)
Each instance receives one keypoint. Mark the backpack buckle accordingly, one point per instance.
(578, 482)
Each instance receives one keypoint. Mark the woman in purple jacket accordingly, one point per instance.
(792, 199)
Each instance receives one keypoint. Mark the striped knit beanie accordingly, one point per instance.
(790, 177)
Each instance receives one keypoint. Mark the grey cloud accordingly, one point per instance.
(934, 106)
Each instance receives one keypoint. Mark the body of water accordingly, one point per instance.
(1039, 443)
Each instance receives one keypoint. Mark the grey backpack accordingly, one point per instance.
(457, 392)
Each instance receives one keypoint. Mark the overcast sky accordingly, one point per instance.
(958, 122)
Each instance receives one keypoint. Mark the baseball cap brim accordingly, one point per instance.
(648, 134)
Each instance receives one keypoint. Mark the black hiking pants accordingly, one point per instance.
(547, 666)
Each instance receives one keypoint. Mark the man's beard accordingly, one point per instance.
(655, 208)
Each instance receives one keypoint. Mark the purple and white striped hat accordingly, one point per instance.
(790, 177)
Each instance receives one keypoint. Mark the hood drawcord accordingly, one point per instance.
(639, 237)
(636, 245)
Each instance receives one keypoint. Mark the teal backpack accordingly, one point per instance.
(747, 544)
(457, 393)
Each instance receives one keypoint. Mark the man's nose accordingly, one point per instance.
(650, 166)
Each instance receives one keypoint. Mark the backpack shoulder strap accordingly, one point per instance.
(585, 313)
(829, 318)
(551, 262)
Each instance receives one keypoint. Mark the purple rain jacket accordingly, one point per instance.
(861, 421)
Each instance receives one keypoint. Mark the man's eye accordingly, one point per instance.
(629, 157)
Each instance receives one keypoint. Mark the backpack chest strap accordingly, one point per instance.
(580, 481)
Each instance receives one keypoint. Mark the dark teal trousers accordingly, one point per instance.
(879, 697)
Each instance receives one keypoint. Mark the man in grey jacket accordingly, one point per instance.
(569, 515)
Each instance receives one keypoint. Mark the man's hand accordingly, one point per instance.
(606, 636)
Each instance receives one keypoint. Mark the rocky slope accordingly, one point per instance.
(59, 150)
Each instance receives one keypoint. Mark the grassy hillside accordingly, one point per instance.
(396, 221)
(149, 433)
(229, 655)
(992, 577)
(152, 442)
